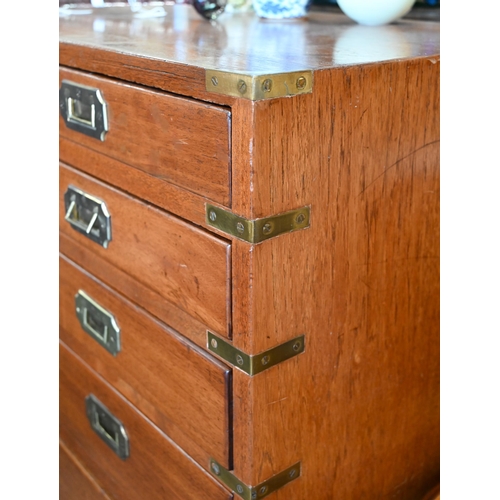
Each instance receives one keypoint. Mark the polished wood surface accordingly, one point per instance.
(172, 52)
(360, 408)
(180, 141)
(134, 290)
(156, 467)
(174, 199)
(181, 388)
(183, 264)
(244, 43)
(434, 494)
(75, 483)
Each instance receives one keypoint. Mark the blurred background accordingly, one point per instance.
(422, 9)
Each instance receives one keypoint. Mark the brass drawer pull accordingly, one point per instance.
(88, 215)
(107, 426)
(97, 322)
(83, 109)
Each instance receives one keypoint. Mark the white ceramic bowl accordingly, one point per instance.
(375, 12)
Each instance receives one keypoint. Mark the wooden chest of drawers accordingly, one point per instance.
(249, 258)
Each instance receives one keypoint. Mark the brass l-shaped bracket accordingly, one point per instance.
(262, 490)
(257, 230)
(259, 87)
(254, 364)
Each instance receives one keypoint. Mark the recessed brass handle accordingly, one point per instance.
(83, 109)
(88, 215)
(107, 426)
(99, 323)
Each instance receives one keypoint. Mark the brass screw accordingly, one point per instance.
(263, 490)
(300, 218)
(215, 82)
(265, 360)
(239, 360)
(239, 488)
(301, 83)
(213, 216)
(296, 346)
(214, 343)
(267, 85)
(292, 473)
(216, 468)
(242, 87)
(267, 228)
(240, 227)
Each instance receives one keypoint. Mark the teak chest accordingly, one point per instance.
(249, 257)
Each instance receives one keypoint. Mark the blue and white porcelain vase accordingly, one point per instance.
(281, 9)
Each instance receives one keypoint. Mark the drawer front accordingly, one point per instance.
(177, 385)
(185, 265)
(153, 468)
(75, 483)
(178, 140)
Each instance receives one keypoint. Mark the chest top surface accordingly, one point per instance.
(243, 43)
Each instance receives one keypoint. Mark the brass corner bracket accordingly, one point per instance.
(262, 490)
(254, 364)
(258, 87)
(257, 230)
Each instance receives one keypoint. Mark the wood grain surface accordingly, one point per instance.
(180, 141)
(178, 386)
(178, 201)
(134, 290)
(173, 52)
(183, 264)
(360, 408)
(156, 467)
(75, 483)
(434, 494)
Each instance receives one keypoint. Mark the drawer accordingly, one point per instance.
(177, 385)
(181, 141)
(126, 454)
(75, 483)
(185, 265)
